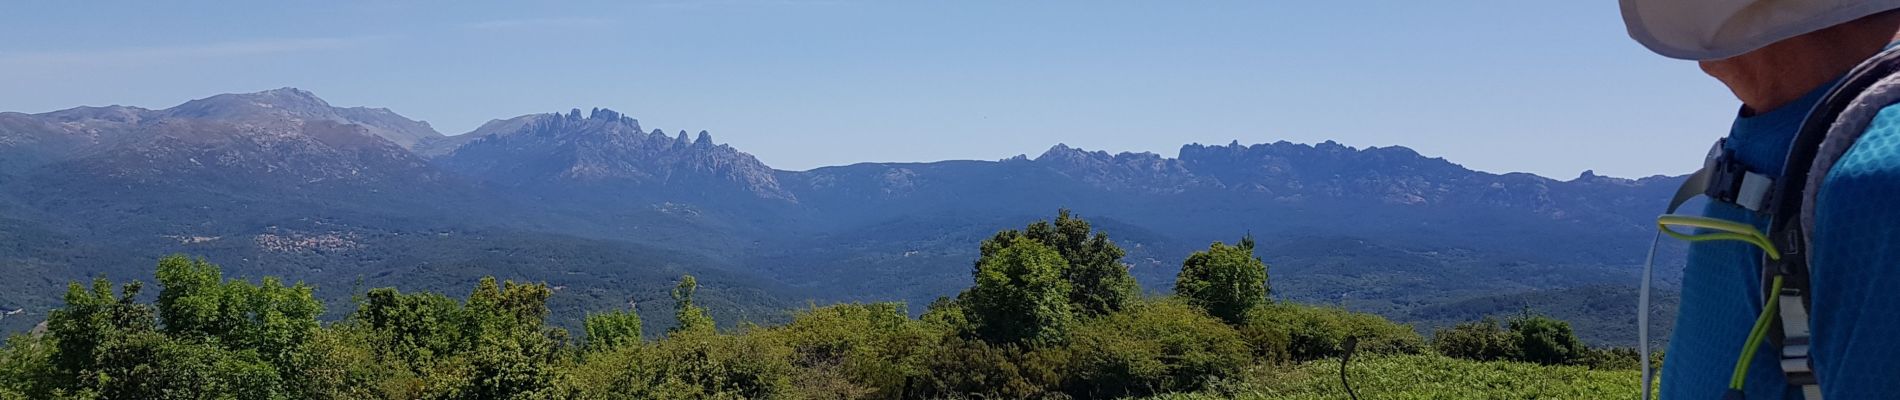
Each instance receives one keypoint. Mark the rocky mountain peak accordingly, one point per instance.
(291, 105)
(604, 147)
(291, 102)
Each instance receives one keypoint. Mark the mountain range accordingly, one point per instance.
(282, 183)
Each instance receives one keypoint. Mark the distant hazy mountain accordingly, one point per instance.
(280, 182)
(278, 105)
(607, 151)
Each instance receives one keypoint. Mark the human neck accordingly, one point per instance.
(1773, 76)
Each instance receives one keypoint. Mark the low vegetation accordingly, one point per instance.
(1050, 315)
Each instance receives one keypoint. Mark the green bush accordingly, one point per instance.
(1484, 340)
(1614, 358)
(1268, 342)
(1546, 340)
(972, 369)
(1319, 332)
(862, 350)
(688, 365)
(1153, 348)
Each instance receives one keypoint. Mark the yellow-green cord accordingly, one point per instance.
(1755, 336)
(1725, 230)
(1730, 230)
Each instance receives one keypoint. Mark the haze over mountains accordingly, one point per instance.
(609, 212)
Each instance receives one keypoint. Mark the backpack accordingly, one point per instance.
(1825, 135)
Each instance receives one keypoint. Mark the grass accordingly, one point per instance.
(1424, 377)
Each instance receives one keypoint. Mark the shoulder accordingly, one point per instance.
(1873, 159)
(1855, 194)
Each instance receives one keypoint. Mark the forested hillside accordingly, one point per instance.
(1051, 312)
(281, 183)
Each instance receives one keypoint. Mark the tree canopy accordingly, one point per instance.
(1227, 281)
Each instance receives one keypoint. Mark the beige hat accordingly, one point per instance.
(1717, 29)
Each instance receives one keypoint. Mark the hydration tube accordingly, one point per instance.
(1712, 230)
(1642, 317)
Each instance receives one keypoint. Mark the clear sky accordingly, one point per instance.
(1549, 87)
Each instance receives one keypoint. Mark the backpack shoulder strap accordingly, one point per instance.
(1834, 125)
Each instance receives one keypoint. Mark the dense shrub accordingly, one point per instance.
(1268, 342)
(1546, 340)
(1318, 332)
(1484, 340)
(1611, 358)
(947, 315)
(1153, 348)
(973, 369)
(858, 350)
(688, 365)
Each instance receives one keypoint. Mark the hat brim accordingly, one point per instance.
(1659, 24)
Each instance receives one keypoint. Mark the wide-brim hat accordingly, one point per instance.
(1718, 29)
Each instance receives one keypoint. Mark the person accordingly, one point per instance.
(1780, 58)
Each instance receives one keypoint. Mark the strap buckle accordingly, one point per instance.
(1796, 363)
(1730, 181)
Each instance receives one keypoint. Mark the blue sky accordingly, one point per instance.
(1549, 87)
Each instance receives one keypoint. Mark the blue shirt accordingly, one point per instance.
(1855, 273)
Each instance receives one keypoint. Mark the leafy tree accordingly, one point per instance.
(89, 327)
(612, 329)
(1227, 281)
(494, 345)
(1099, 282)
(1150, 349)
(1484, 340)
(689, 317)
(1019, 296)
(26, 362)
(271, 319)
(1546, 340)
(414, 330)
(342, 358)
(219, 339)
(149, 365)
(513, 356)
